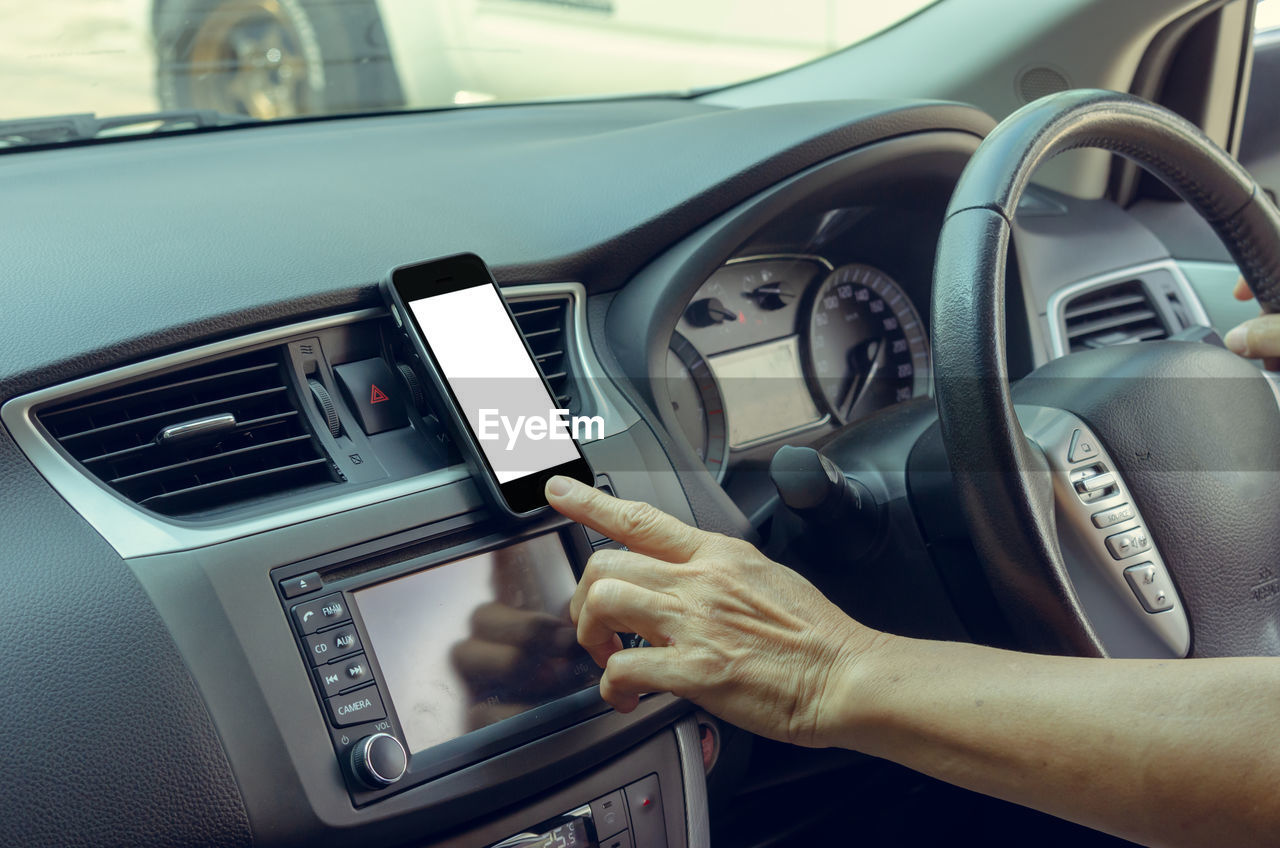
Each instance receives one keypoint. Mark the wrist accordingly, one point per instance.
(867, 663)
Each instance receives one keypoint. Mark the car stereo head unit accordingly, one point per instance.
(451, 652)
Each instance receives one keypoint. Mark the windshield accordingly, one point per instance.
(269, 59)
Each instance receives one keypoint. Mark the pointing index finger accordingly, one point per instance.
(637, 525)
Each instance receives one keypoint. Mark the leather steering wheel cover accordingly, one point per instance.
(1006, 498)
(1167, 145)
(1000, 479)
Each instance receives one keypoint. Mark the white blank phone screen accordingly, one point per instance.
(483, 358)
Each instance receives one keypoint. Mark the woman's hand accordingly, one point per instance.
(740, 635)
(1257, 338)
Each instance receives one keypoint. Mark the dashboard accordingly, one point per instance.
(221, 637)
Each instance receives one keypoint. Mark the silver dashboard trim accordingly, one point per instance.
(135, 532)
(1054, 309)
(765, 257)
(697, 815)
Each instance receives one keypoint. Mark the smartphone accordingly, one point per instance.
(503, 413)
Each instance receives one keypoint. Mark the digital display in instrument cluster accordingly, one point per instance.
(764, 386)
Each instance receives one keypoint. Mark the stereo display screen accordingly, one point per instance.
(471, 642)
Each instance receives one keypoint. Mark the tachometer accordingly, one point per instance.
(698, 405)
(867, 345)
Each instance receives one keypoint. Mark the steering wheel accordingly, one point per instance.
(1181, 439)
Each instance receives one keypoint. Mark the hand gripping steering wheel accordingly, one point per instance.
(1125, 500)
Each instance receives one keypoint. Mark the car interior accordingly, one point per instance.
(244, 555)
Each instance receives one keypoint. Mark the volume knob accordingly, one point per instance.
(378, 760)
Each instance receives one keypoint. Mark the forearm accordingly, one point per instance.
(1164, 753)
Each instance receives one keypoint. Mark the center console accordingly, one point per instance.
(447, 651)
(438, 661)
(384, 659)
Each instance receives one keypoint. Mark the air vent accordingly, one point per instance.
(1121, 313)
(196, 439)
(544, 322)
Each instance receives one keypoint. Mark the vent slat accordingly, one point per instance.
(1120, 313)
(213, 457)
(544, 322)
(1122, 337)
(525, 312)
(174, 415)
(1101, 324)
(537, 334)
(257, 475)
(181, 384)
(113, 435)
(242, 426)
(1101, 305)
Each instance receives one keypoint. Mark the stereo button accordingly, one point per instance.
(356, 707)
(331, 644)
(313, 615)
(353, 671)
(301, 585)
(1129, 543)
(1115, 515)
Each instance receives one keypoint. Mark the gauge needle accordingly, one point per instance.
(767, 289)
(770, 295)
(864, 360)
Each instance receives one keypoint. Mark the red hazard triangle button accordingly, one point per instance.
(368, 385)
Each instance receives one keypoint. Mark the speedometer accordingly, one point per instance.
(867, 345)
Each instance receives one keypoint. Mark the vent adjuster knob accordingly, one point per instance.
(414, 385)
(324, 402)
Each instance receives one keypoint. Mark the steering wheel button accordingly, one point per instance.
(1083, 447)
(1129, 543)
(1115, 515)
(1151, 585)
(1096, 483)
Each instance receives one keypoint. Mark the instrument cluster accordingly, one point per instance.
(773, 346)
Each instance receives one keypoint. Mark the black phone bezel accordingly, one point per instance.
(522, 496)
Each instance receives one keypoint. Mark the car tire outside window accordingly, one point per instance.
(273, 58)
